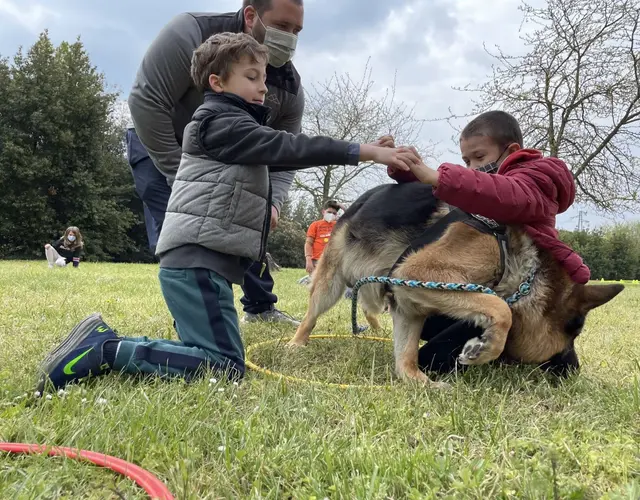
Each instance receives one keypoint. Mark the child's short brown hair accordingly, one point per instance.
(500, 126)
(218, 54)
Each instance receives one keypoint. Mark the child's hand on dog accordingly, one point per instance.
(423, 173)
(396, 158)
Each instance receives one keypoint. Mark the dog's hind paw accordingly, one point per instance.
(293, 344)
(474, 352)
(443, 386)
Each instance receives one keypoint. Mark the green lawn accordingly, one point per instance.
(499, 433)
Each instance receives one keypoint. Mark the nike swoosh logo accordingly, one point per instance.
(68, 368)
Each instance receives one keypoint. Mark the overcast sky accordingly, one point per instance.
(431, 45)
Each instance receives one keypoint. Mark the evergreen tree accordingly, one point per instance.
(62, 159)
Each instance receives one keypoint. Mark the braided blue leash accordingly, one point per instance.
(523, 290)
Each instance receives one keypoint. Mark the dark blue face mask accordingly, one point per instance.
(492, 168)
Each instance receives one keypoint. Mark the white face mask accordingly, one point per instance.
(281, 45)
(329, 217)
(71, 238)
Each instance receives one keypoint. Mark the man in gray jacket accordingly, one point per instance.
(164, 98)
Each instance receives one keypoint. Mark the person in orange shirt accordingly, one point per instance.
(319, 233)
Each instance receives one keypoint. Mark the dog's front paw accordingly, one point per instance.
(419, 377)
(477, 351)
(473, 352)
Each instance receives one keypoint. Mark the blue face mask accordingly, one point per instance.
(71, 238)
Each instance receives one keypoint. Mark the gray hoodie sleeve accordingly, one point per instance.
(290, 121)
(162, 79)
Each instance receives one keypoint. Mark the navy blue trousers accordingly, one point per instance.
(151, 186)
(201, 303)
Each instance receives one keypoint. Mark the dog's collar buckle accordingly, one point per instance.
(525, 289)
(490, 223)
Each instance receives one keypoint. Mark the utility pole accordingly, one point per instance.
(582, 223)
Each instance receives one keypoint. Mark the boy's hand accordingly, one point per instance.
(412, 148)
(397, 158)
(393, 170)
(425, 174)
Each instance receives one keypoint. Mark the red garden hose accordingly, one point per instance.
(143, 478)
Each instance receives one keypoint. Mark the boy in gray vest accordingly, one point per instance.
(216, 224)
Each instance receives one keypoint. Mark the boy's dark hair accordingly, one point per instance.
(262, 6)
(498, 125)
(331, 204)
(220, 52)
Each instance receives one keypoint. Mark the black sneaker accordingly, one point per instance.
(79, 355)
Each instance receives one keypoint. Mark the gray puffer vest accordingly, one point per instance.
(222, 207)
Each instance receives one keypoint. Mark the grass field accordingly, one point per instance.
(502, 432)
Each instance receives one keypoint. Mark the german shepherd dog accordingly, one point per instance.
(375, 231)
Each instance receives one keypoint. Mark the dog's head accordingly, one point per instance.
(582, 300)
(561, 323)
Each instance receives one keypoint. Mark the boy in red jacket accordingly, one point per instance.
(511, 185)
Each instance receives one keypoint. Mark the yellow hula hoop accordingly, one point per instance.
(249, 364)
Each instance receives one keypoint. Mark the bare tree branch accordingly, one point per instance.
(355, 111)
(576, 93)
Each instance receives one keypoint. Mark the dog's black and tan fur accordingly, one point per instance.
(376, 230)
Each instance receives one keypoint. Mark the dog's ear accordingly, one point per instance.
(596, 295)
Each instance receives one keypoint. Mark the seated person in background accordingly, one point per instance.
(67, 249)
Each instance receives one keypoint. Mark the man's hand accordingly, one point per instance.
(386, 141)
(274, 217)
(47, 246)
(309, 267)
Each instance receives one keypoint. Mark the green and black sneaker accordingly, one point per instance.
(79, 355)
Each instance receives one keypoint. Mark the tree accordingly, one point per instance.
(350, 110)
(594, 250)
(62, 157)
(611, 253)
(623, 252)
(576, 93)
(286, 242)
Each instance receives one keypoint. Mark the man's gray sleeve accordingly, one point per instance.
(163, 78)
(291, 121)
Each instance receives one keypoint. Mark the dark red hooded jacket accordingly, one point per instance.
(528, 189)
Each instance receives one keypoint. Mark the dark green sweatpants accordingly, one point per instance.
(201, 302)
